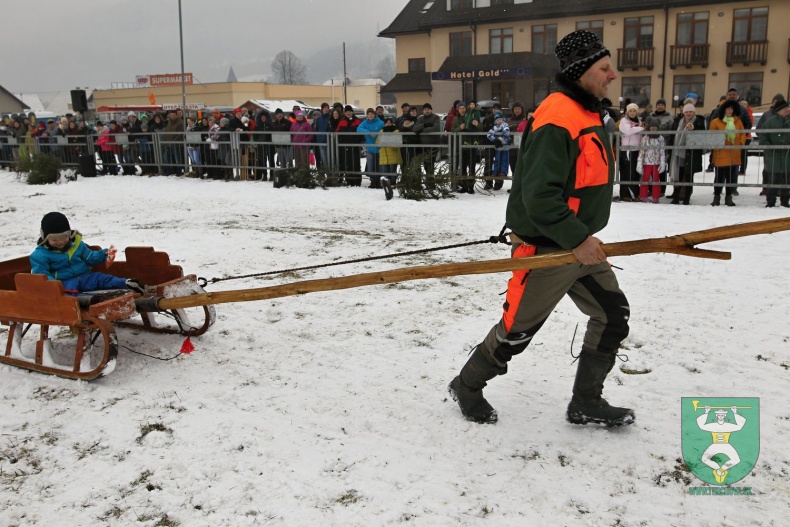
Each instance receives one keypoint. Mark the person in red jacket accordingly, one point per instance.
(106, 144)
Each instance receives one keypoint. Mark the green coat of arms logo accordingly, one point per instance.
(720, 437)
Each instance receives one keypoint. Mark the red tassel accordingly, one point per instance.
(187, 347)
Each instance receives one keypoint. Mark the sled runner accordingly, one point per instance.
(86, 346)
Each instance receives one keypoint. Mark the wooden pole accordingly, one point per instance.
(682, 244)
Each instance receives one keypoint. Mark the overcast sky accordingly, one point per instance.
(53, 45)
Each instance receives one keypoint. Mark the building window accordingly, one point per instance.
(503, 91)
(593, 26)
(638, 32)
(683, 84)
(750, 25)
(749, 86)
(461, 4)
(636, 90)
(500, 41)
(461, 44)
(501, 2)
(416, 65)
(544, 38)
(692, 29)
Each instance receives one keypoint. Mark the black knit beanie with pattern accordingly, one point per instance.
(578, 51)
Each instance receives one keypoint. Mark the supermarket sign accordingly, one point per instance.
(167, 79)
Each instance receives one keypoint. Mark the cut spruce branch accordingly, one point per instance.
(682, 244)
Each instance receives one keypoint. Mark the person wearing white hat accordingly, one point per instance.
(685, 161)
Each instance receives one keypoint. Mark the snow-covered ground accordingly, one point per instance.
(331, 409)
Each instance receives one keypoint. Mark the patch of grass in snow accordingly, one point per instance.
(111, 402)
(115, 512)
(50, 394)
(163, 521)
(679, 474)
(49, 438)
(142, 478)
(348, 498)
(178, 409)
(24, 463)
(85, 451)
(563, 460)
(147, 428)
(531, 456)
(629, 371)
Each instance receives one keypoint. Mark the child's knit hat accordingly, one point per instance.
(54, 223)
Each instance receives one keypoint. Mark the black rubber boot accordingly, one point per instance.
(587, 405)
(716, 200)
(467, 388)
(728, 201)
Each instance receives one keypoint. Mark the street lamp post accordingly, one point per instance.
(183, 88)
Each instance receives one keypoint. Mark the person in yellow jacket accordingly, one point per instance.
(389, 156)
(727, 161)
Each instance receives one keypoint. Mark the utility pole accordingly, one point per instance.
(345, 76)
(183, 89)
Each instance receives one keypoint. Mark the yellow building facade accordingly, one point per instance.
(500, 49)
(234, 94)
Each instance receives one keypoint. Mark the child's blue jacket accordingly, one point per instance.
(76, 259)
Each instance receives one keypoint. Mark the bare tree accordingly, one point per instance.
(288, 69)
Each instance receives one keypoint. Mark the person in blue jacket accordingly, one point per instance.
(371, 128)
(62, 255)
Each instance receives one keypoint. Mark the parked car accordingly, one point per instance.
(487, 105)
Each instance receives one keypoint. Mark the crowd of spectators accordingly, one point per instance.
(259, 145)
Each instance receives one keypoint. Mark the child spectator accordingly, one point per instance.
(652, 160)
(499, 135)
(389, 156)
(62, 255)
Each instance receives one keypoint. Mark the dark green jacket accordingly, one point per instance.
(776, 160)
(562, 187)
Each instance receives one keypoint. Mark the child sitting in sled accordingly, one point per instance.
(62, 255)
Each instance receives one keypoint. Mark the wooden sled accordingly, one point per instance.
(28, 300)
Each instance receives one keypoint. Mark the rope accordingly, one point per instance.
(501, 238)
(151, 356)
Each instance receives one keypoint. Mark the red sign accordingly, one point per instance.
(142, 79)
(169, 79)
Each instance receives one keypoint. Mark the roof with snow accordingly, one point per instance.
(32, 101)
(61, 104)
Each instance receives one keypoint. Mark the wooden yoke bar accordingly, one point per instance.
(683, 244)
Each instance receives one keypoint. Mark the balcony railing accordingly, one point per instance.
(747, 52)
(635, 58)
(689, 55)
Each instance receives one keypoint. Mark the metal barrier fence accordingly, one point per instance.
(271, 155)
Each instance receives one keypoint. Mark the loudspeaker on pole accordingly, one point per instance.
(79, 101)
